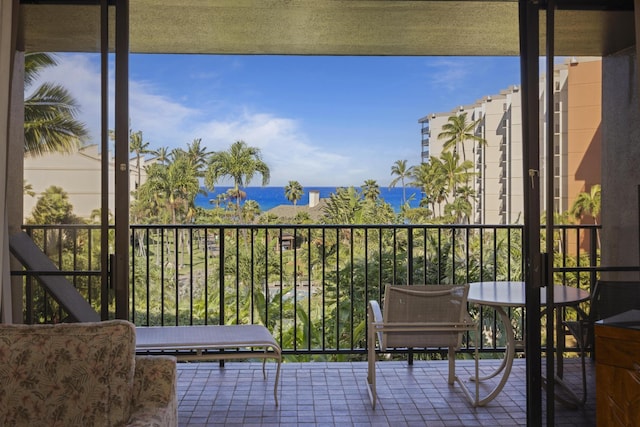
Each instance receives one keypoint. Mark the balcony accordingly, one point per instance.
(335, 393)
(312, 293)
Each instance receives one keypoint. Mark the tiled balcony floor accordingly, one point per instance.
(335, 394)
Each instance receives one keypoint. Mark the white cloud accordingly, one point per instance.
(289, 152)
(449, 74)
(163, 121)
(285, 148)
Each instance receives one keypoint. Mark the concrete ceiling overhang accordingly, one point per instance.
(324, 27)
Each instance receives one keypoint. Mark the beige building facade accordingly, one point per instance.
(497, 165)
(78, 174)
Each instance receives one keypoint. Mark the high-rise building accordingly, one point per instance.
(497, 179)
(497, 164)
(577, 112)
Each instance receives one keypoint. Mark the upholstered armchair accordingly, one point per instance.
(83, 374)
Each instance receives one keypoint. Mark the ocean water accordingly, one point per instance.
(270, 197)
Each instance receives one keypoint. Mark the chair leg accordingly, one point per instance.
(371, 366)
(453, 378)
(452, 365)
(583, 350)
(584, 379)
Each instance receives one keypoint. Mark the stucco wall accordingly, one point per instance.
(620, 164)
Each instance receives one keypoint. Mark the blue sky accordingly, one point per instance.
(320, 120)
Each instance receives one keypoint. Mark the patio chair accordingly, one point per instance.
(420, 316)
(608, 298)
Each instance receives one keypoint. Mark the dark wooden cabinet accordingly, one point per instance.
(617, 374)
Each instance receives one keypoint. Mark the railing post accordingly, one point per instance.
(221, 276)
(221, 282)
(409, 256)
(593, 256)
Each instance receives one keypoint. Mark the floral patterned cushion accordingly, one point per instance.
(67, 374)
(154, 392)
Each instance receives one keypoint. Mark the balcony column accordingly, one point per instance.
(121, 274)
(529, 69)
(11, 153)
(620, 214)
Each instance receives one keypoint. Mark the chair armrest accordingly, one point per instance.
(376, 315)
(155, 401)
(581, 331)
(581, 328)
(375, 309)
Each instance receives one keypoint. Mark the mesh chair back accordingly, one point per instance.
(614, 297)
(432, 305)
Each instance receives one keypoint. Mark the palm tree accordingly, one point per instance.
(139, 147)
(371, 190)
(343, 207)
(293, 191)
(431, 179)
(250, 210)
(588, 204)
(50, 124)
(53, 207)
(162, 155)
(198, 156)
(27, 189)
(236, 195)
(176, 184)
(455, 172)
(240, 163)
(457, 131)
(459, 209)
(464, 196)
(401, 171)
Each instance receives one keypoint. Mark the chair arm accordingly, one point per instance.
(376, 314)
(580, 330)
(375, 310)
(155, 401)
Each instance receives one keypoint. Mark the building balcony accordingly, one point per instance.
(312, 296)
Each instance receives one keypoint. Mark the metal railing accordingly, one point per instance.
(309, 284)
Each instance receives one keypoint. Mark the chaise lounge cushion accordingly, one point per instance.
(78, 374)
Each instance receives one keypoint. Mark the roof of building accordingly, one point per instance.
(290, 211)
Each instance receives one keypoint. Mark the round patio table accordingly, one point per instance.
(501, 295)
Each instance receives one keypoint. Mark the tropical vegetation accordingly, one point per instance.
(308, 282)
(457, 131)
(50, 124)
(240, 164)
(293, 191)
